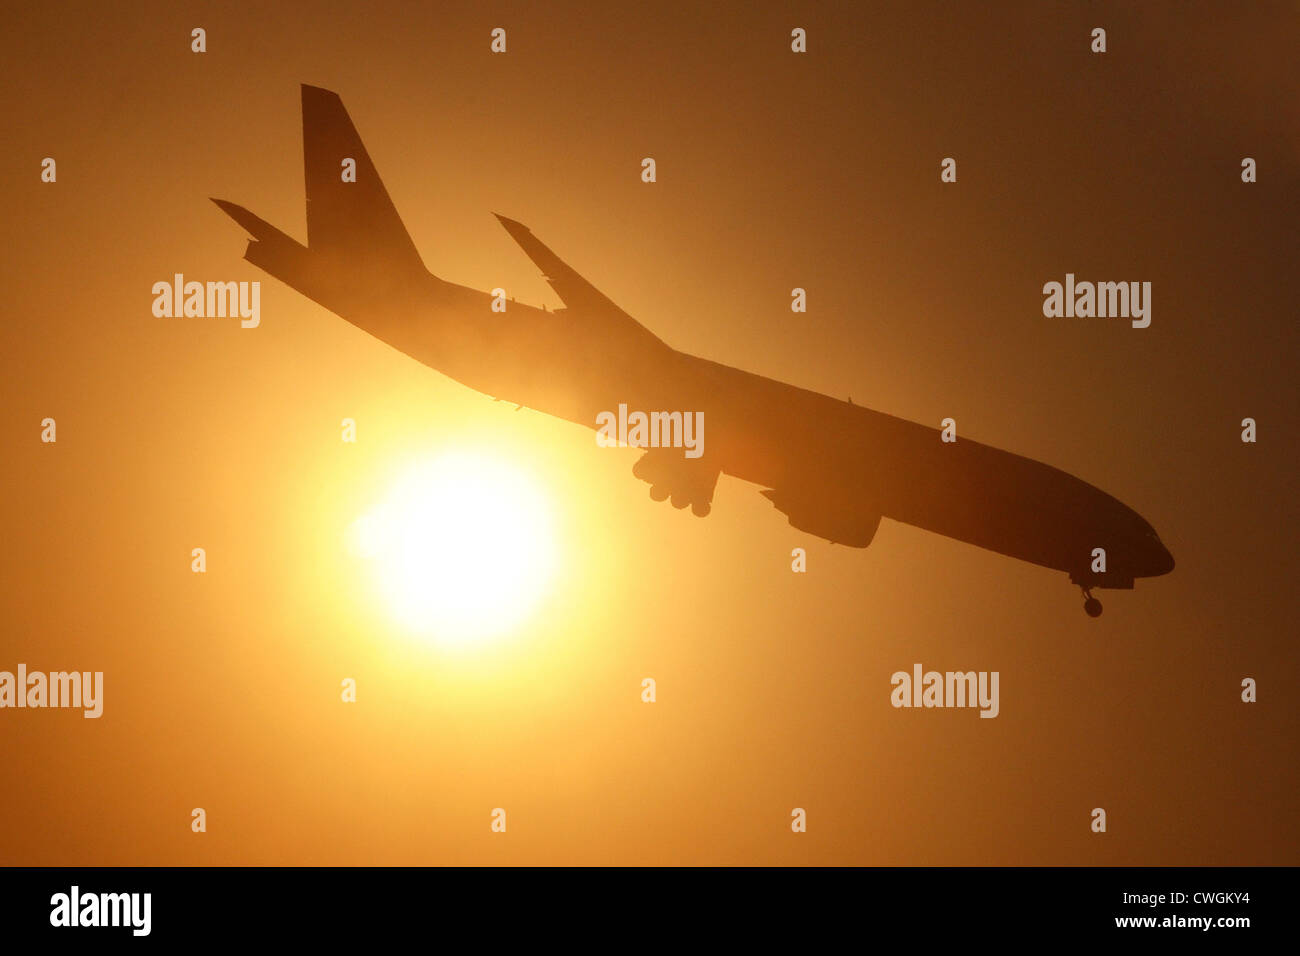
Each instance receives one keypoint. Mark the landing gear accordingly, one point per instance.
(1091, 606)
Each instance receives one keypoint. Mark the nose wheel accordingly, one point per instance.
(1091, 606)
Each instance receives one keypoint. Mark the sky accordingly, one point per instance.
(775, 170)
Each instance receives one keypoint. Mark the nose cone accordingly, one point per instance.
(1156, 559)
(1165, 563)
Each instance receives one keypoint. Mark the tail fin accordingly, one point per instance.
(354, 224)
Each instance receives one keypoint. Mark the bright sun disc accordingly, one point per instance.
(462, 548)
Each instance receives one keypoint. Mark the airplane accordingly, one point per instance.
(834, 469)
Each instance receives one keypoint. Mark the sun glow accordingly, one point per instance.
(462, 548)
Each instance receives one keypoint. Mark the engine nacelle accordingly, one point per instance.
(815, 515)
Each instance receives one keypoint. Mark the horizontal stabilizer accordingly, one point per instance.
(257, 227)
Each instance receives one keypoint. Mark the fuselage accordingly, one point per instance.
(855, 462)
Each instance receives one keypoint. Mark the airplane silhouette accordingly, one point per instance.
(835, 469)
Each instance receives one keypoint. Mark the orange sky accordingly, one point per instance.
(774, 171)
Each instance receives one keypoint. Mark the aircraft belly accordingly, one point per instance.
(868, 464)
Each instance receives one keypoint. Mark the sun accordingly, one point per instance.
(462, 548)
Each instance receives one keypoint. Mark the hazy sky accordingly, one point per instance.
(775, 170)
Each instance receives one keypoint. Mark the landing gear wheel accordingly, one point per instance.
(1091, 606)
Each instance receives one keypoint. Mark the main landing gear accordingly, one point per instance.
(1091, 606)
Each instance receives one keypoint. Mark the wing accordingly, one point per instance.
(585, 303)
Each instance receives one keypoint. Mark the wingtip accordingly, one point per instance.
(249, 222)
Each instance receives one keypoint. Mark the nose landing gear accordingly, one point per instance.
(1091, 606)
